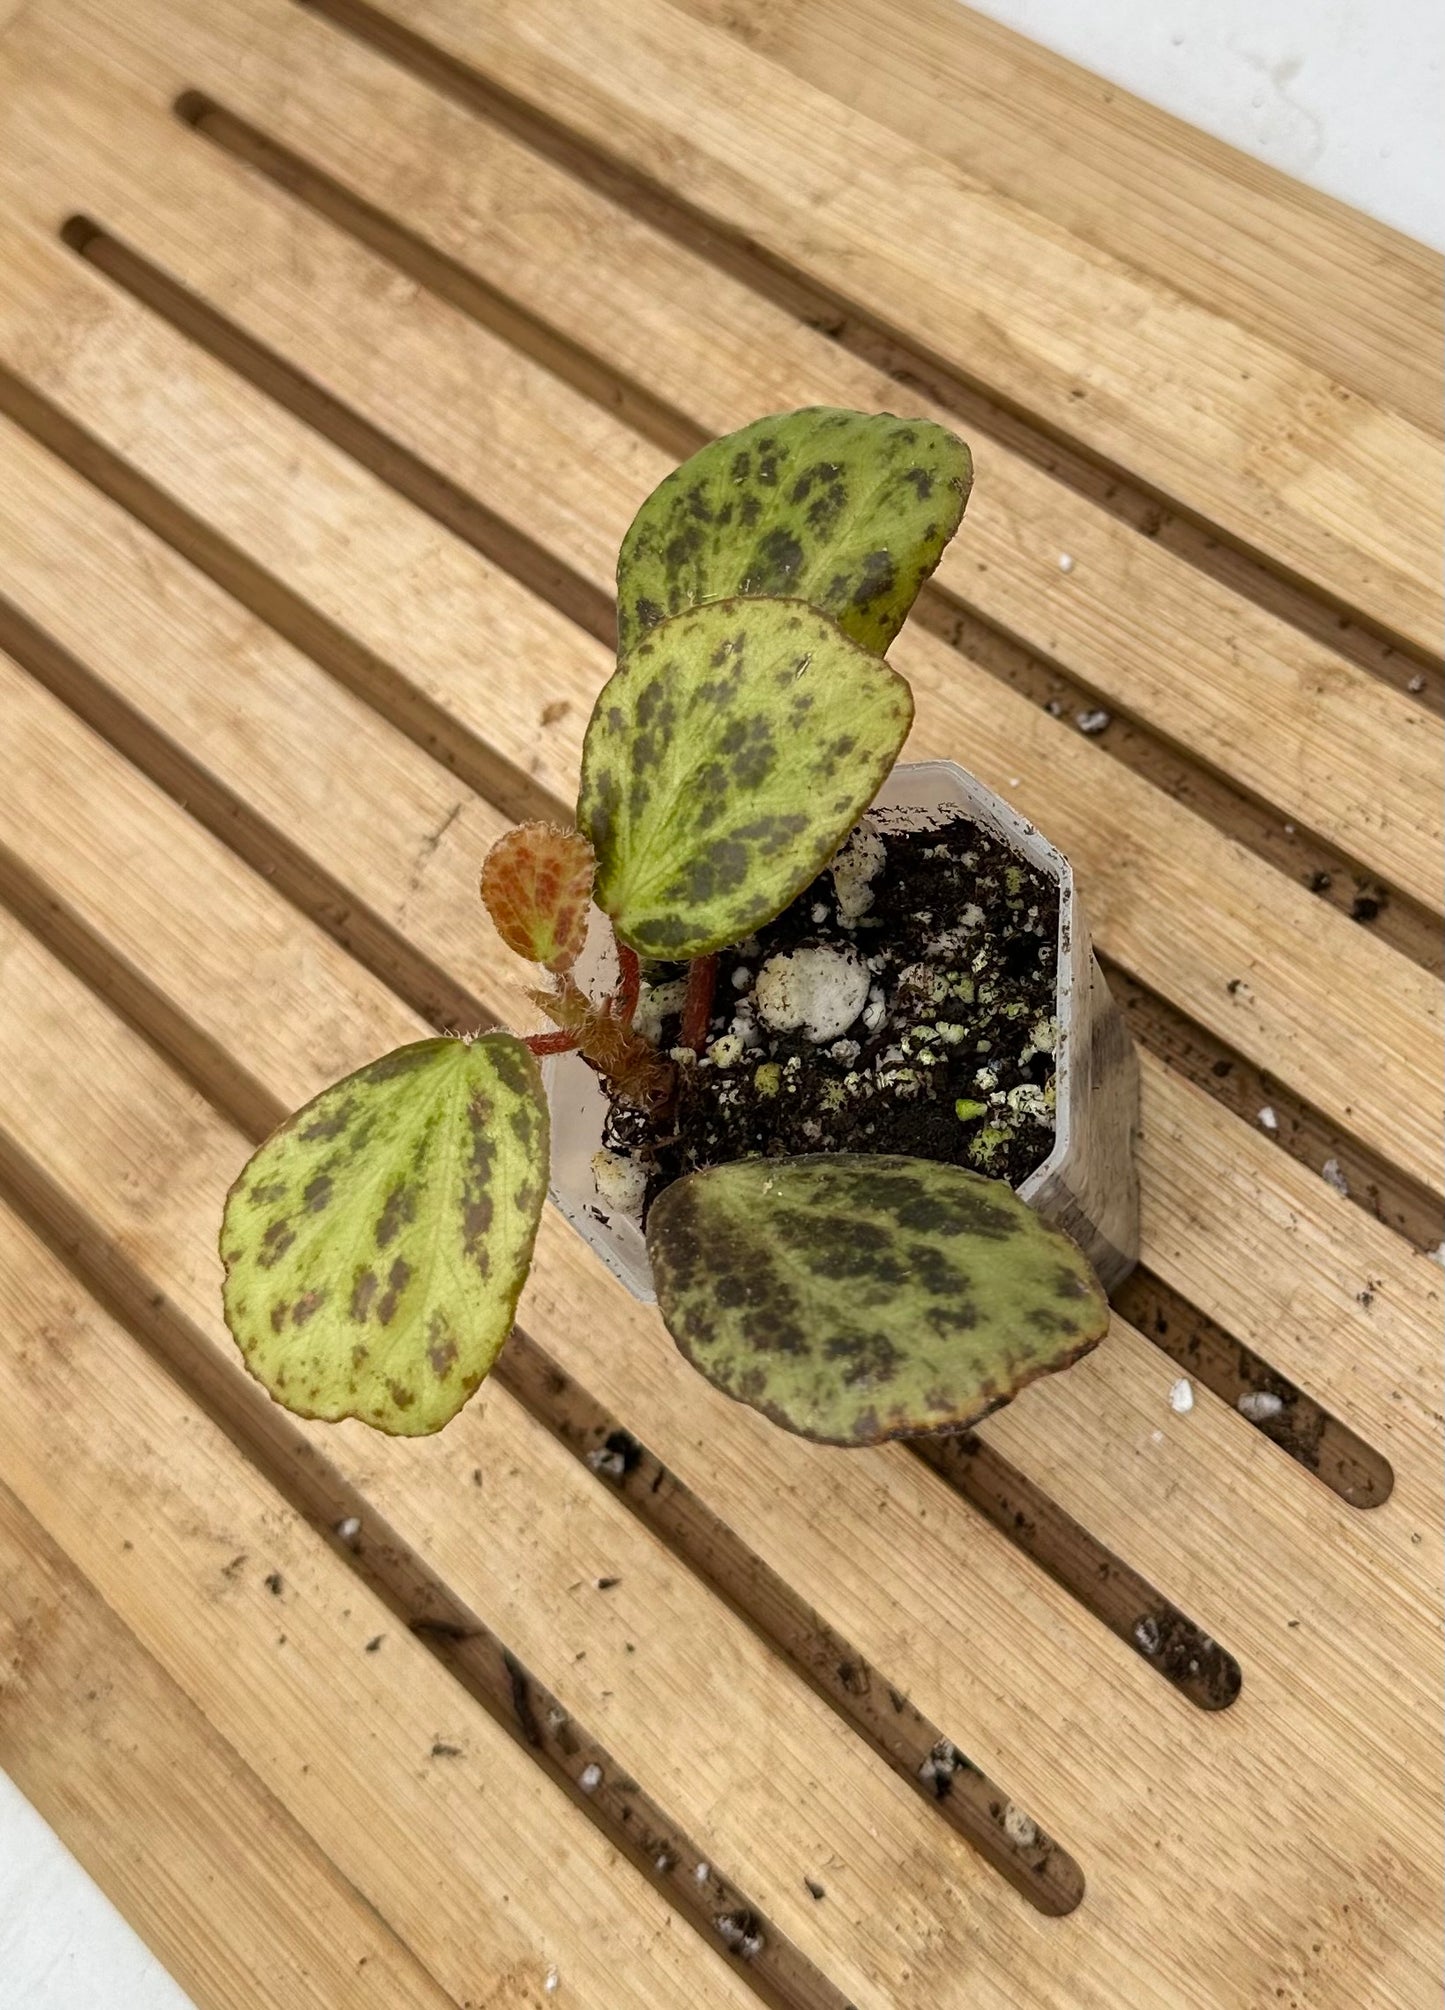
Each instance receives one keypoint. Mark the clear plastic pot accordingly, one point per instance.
(1088, 1184)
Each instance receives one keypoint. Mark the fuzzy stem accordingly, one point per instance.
(552, 1043)
(697, 1008)
(629, 985)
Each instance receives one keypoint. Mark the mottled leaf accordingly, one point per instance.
(854, 1298)
(376, 1243)
(849, 511)
(725, 762)
(537, 886)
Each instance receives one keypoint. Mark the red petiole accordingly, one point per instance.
(697, 1008)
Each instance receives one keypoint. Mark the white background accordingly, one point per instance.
(1345, 94)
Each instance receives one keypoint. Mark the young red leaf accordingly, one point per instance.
(537, 884)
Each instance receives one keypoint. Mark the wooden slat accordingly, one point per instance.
(750, 1470)
(152, 1503)
(1330, 487)
(1286, 717)
(764, 1777)
(1320, 280)
(305, 511)
(1325, 1293)
(217, 1877)
(1191, 912)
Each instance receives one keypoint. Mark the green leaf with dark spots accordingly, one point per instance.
(849, 511)
(854, 1298)
(376, 1244)
(725, 762)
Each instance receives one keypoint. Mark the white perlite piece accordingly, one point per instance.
(727, 1051)
(1093, 722)
(1436, 1255)
(1181, 1396)
(1332, 1173)
(1018, 1828)
(821, 990)
(551, 1982)
(655, 1005)
(1259, 1405)
(621, 1183)
(1267, 1120)
(857, 865)
(590, 1779)
(1066, 563)
(349, 1530)
(1416, 683)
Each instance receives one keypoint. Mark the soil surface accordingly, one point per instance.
(951, 1056)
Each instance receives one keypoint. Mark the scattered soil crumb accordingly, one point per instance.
(813, 1888)
(441, 1750)
(1020, 1830)
(275, 1584)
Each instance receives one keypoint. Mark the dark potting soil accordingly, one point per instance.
(951, 1057)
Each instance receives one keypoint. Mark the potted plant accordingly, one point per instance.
(832, 1067)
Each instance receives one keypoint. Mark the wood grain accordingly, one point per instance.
(1236, 432)
(1355, 298)
(219, 1880)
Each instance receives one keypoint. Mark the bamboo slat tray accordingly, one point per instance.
(337, 346)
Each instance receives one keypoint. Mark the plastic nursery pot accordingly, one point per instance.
(1088, 1184)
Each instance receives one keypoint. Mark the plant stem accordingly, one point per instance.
(629, 975)
(697, 1008)
(552, 1043)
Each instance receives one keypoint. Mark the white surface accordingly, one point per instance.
(1345, 94)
